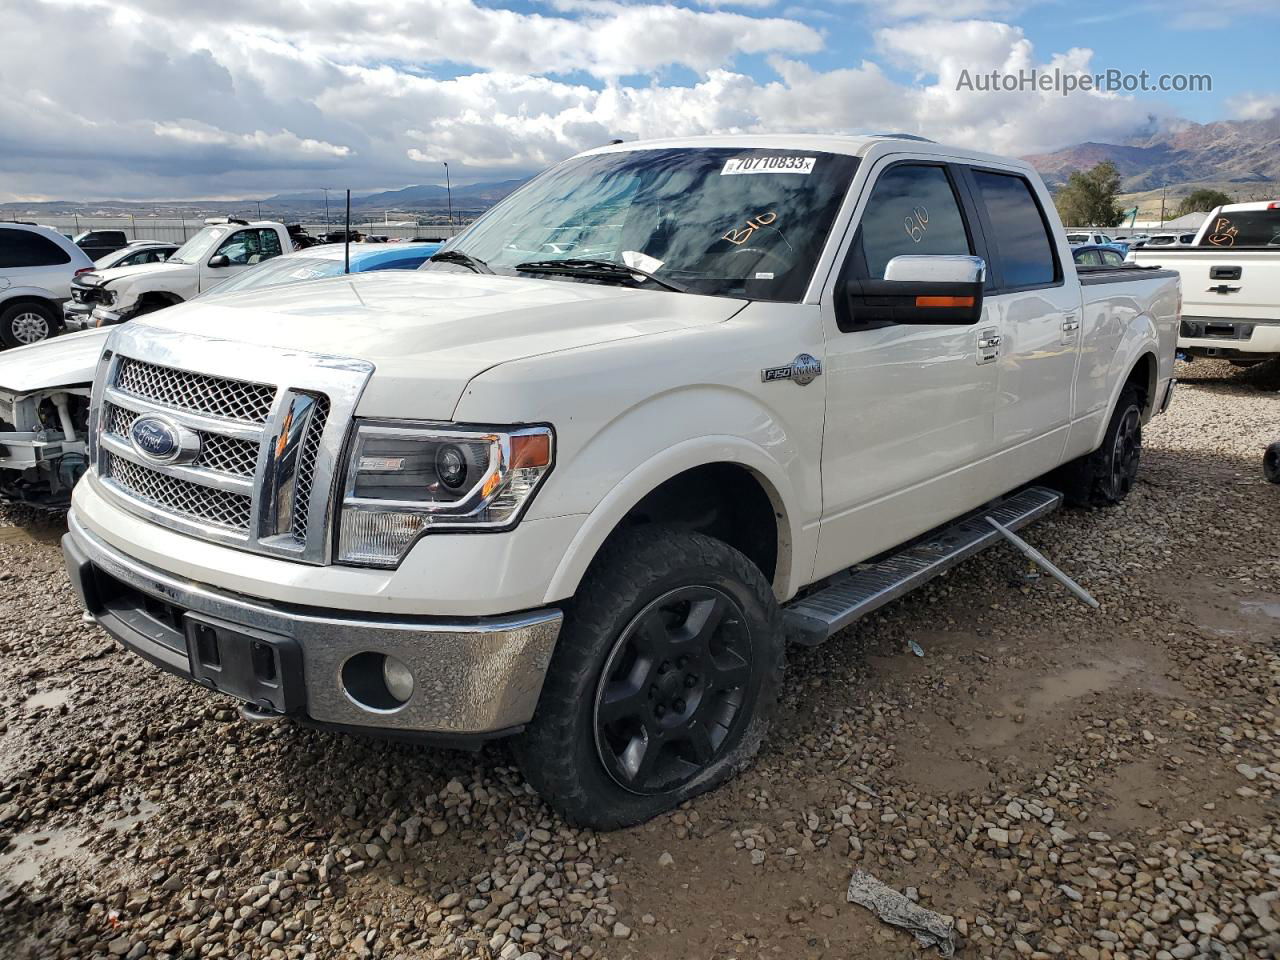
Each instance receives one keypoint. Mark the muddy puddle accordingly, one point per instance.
(47, 700)
(31, 855)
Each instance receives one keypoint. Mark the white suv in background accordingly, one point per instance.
(36, 267)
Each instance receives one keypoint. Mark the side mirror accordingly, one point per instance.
(926, 289)
(219, 261)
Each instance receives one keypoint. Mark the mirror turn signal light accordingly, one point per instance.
(944, 301)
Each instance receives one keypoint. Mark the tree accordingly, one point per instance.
(1089, 198)
(1202, 201)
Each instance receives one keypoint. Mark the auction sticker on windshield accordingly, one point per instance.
(740, 165)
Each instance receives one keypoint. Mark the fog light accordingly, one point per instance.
(398, 679)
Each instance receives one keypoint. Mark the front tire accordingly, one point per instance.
(1105, 477)
(26, 323)
(663, 680)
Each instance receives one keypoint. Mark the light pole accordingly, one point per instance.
(448, 193)
(326, 207)
(259, 203)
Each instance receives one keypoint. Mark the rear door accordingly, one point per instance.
(1034, 298)
(28, 258)
(909, 406)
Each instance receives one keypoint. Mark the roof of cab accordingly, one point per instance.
(870, 146)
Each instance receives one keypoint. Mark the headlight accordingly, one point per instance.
(404, 481)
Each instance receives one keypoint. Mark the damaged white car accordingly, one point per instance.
(44, 408)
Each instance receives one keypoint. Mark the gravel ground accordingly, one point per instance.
(1064, 782)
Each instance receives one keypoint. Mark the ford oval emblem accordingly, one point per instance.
(162, 441)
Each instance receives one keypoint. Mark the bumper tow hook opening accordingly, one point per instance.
(252, 713)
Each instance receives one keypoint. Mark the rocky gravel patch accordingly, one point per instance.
(1064, 782)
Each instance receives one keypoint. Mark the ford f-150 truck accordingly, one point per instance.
(223, 248)
(1230, 283)
(579, 479)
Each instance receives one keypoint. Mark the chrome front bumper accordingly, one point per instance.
(472, 677)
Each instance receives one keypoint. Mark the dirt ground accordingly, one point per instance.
(1062, 781)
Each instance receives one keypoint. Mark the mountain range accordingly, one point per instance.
(432, 198)
(1238, 156)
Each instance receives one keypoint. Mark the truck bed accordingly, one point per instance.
(1230, 298)
(1090, 276)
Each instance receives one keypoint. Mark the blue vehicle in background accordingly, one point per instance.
(328, 260)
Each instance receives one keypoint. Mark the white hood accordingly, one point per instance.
(99, 277)
(61, 362)
(429, 333)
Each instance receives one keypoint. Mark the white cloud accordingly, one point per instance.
(1255, 106)
(952, 9)
(244, 97)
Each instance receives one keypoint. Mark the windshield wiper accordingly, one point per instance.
(599, 269)
(465, 259)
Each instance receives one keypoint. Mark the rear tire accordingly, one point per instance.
(663, 681)
(26, 323)
(1106, 476)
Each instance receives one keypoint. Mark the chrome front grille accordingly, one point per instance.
(263, 431)
(213, 396)
(206, 504)
(306, 472)
(227, 454)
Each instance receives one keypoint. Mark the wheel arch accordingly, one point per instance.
(756, 491)
(1141, 371)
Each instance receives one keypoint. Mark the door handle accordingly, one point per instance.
(1070, 326)
(988, 345)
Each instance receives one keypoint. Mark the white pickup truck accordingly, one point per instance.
(223, 248)
(1230, 283)
(579, 480)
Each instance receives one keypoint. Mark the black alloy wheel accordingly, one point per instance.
(672, 689)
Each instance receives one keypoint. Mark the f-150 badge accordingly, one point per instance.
(803, 370)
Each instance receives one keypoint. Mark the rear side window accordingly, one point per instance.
(20, 248)
(1021, 237)
(912, 210)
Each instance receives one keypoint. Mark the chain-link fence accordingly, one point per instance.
(178, 229)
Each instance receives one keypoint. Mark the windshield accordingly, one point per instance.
(194, 250)
(1244, 228)
(721, 221)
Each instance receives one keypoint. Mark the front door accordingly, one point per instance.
(910, 407)
(242, 249)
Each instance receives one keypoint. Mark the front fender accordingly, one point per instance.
(132, 289)
(794, 541)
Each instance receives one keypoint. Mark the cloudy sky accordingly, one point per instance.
(233, 98)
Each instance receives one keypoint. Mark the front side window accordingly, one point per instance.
(1021, 236)
(1112, 258)
(912, 211)
(247, 247)
(719, 221)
